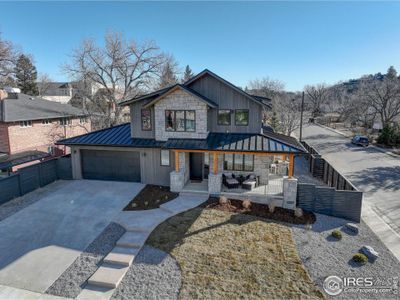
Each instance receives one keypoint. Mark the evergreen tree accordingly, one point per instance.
(26, 75)
(168, 75)
(188, 74)
(391, 73)
(274, 122)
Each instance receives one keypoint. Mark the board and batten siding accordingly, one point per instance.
(151, 171)
(227, 98)
(136, 121)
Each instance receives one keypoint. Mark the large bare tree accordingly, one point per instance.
(8, 56)
(317, 95)
(383, 96)
(287, 109)
(266, 87)
(119, 70)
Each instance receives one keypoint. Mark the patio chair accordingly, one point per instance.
(228, 179)
(250, 183)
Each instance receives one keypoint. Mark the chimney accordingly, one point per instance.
(3, 94)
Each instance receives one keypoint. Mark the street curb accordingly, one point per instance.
(347, 136)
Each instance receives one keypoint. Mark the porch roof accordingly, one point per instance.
(238, 142)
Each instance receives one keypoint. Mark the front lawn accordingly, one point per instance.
(229, 255)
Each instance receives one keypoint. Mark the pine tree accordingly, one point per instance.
(391, 73)
(274, 122)
(26, 75)
(188, 74)
(168, 75)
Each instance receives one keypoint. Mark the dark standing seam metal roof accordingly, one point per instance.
(244, 142)
(22, 107)
(117, 136)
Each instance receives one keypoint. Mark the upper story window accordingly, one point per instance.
(146, 119)
(46, 122)
(239, 162)
(65, 121)
(224, 117)
(83, 120)
(25, 124)
(242, 117)
(180, 120)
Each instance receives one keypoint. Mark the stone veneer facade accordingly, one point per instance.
(180, 100)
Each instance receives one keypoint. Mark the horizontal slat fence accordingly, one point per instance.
(32, 177)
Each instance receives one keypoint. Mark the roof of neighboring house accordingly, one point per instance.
(184, 88)
(117, 136)
(8, 161)
(260, 100)
(22, 107)
(52, 88)
(242, 142)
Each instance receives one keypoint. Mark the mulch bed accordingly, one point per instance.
(151, 197)
(261, 210)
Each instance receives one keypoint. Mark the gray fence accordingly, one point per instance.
(30, 178)
(329, 201)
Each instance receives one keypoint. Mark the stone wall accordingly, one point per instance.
(180, 100)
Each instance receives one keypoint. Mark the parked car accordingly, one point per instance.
(360, 140)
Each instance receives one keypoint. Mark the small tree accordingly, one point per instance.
(188, 74)
(26, 75)
(274, 122)
(169, 73)
(44, 83)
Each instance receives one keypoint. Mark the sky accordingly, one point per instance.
(298, 43)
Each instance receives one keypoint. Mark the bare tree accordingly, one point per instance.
(266, 87)
(169, 73)
(287, 108)
(383, 96)
(317, 95)
(44, 83)
(121, 70)
(8, 56)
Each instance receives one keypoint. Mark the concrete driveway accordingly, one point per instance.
(38, 243)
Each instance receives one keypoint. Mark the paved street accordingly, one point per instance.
(375, 173)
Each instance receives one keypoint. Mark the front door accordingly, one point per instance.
(196, 166)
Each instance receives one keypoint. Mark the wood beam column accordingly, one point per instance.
(215, 157)
(176, 161)
(291, 165)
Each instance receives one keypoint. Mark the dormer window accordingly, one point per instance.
(146, 119)
(180, 120)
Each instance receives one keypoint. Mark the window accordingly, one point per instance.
(239, 162)
(25, 124)
(165, 158)
(65, 121)
(242, 117)
(180, 120)
(46, 122)
(82, 120)
(146, 119)
(224, 117)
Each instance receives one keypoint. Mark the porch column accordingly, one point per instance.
(215, 159)
(291, 165)
(176, 161)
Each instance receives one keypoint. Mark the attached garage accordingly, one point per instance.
(111, 165)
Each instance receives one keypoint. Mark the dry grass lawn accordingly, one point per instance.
(226, 255)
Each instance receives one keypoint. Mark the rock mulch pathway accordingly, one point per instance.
(324, 256)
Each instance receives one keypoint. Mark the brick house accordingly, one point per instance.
(29, 127)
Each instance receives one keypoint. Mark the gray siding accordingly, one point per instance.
(136, 122)
(152, 171)
(228, 98)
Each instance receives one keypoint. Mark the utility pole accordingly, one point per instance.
(301, 116)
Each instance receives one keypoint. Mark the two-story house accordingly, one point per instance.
(29, 127)
(193, 134)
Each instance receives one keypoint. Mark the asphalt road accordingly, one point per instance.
(375, 173)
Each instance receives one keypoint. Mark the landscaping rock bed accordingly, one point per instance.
(154, 274)
(71, 282)
(324, 255)
(151, 197)
(261, 210)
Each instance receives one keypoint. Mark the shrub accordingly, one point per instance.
(360, 258)
(298, 212)
(223, 200)
(246, 204)
(337, 234)
(271, 207)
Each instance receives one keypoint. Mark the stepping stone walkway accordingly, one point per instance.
(138, 226)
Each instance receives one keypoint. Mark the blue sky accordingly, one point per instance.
(298, 43)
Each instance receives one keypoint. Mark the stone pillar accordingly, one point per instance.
(214, 183)
(289, 192)
(177, 181)
(76, 163)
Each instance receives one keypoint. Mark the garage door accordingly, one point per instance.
(111, 165)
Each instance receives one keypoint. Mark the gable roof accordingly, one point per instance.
(260, 100)
(22, 107)
(186, 89)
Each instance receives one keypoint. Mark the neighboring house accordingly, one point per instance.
(63, 92)
(186, 134)
(29, 127)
